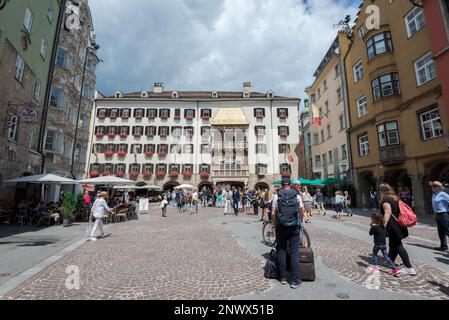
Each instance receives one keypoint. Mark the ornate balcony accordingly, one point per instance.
(392, 155)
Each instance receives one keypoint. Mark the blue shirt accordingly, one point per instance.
(440, 202)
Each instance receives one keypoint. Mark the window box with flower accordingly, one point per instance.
(94, 174)
(108, 154)
(162, 154)
(149, 154)
(119, 174)
(204, 174)
(134, 174)
(147, 174)
(160, 174)
(187, 174)
(121, 153)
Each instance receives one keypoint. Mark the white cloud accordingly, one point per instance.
(214, 44)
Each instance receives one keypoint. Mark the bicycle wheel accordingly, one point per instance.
(268, 234)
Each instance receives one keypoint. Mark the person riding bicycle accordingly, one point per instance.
(288, 212)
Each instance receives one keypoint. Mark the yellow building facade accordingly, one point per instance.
(398, 126)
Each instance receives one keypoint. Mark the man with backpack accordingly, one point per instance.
(288, 212)
(236, 198)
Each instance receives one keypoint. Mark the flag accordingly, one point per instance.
(316, 117)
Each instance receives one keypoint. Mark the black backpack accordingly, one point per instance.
(288, 208)
(271, 266)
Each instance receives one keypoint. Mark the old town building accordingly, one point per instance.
(204, 138)
(71, 101)
(396, 113)
(328, 126)
(28, 30)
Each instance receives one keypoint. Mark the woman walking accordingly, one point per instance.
(264, 204)
(389, 208)
(98, 209)
(307, 200)
(339, 200)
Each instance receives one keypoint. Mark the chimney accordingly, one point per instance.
(247, 86)
(158, 87)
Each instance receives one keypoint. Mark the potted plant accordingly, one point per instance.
(67, 208)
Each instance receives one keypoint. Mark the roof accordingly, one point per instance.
(229, 116)
(198, 95)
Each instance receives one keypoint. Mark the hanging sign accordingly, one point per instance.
(28, 114)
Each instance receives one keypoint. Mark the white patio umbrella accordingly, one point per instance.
(149, 187)
(43, 179)
(108, 180)
(124, 187)
(185, 186)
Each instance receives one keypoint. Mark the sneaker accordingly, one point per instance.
(283, 281)
(440, 249)
(395, 272)
(294, 285)
(92, 239)
(407, 271)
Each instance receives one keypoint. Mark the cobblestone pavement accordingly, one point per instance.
(190, 257)
(179, 257)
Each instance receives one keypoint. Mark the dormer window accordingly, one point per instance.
(118, 94)
(175, 95)
(246, 94)
(214, 94)
(144, 94)
(270, 94)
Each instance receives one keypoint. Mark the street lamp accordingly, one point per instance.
(91, 50)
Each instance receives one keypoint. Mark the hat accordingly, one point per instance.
(436, 183)
(297, 182)
(286, 181)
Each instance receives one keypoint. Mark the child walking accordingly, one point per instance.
(164, 205)
(380, 243)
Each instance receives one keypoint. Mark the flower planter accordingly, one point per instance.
(105, 174)
(112, 117)
(111, 135)
(283, 117)
(119, 174)
(189, 118)
(108, 154)
(133, 174)
(286, 174)
(138, 118)
(162, 154)
(206, 118)
(125, 117)
(121, 154)
(94, 174)
(177, 118)
(101, 117)
(284, 135)
(99, 135)
(66, 222)
(149, 154)
(174, 175)
(204, 175)
(123, 135)
(160, 174)
(137, 135)
(259, 117)
(147, 174)
(187, 174)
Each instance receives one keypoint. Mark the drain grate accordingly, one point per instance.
(342, 296)
(2, 275)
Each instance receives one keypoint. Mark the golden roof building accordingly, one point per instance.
(397, 120)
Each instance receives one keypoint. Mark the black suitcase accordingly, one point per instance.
(306, 264)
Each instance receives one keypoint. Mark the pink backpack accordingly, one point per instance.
(407, 218)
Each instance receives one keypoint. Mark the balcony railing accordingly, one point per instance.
(229, 145)
(230, 173)
(392, 155)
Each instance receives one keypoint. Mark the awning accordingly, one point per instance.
(230, 116)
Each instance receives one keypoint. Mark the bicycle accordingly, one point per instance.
(269, 235)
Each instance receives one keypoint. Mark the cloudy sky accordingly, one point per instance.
(214, 44)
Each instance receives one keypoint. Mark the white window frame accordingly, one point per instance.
(37, 90)
(432, 122)
(358, 71)
(359, 107)
(43, 50)
(363, 145)
(13, 124)
(426, 67)
(50, 14)
(28, 20)
(20, 68)
(414, 20)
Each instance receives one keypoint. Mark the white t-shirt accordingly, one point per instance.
(99, 207)
(275, 201)
(195, 195)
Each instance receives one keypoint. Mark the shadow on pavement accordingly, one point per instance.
(441, 287)
(7, 230)
(442, 260)
(421, 246)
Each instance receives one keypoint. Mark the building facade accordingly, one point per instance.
(437, 17)
(201, 138)
(27, 36)
(396, 114)
(71, 99)
(329, 135)
(305, 158)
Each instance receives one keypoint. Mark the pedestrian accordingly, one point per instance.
(373, 198)
(307, 200)
(99, 207)
(256, 204)
(288, 212)
(440, 204)
(446, 188)
(164, 205)
(219, 199)
(347, 203)
(380, 243)
(319, 199)
(339, 200)
(265, 203)
(389, 208)
(195, 201)
(86, 199)
(228, 201)
(236, 201)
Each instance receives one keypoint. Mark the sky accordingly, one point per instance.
(214, 44)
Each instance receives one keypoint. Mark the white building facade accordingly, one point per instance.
(203, 138)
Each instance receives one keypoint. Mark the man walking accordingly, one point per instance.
(440, 204)
(288, 212)
(347, 203)
(236, 198)
(228, 201)
(319, 199)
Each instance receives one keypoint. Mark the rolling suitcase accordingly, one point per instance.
(306, 264)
